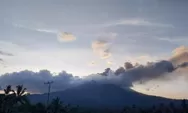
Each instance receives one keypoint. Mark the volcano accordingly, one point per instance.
(95, 95)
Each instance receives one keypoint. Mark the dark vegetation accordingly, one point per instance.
(17, 101)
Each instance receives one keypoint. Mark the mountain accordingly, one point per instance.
(102, 95)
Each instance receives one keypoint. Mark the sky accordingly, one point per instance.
(83, 37)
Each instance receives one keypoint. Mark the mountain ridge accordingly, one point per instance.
(95, 95)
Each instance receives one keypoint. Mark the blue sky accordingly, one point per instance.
(63, 34)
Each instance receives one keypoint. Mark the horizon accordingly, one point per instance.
(75, 41)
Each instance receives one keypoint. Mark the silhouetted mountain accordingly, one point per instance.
(102, 95)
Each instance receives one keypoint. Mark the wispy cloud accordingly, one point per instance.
(177, 40)
(93, 63)
(5, 53)
(47, 31)
(2, 53)
(61, 36)
(1, 60)
(138, 22)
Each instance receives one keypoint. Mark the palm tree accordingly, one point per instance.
(8, 90)
(20, 95)
(6, 100)
(20, 90)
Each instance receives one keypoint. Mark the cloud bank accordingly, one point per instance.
(34, 81)
(125, 76)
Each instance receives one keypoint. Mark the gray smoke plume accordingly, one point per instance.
(128, 65)
(145, 73)
(124, 76)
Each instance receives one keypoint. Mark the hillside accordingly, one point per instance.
(102, 95)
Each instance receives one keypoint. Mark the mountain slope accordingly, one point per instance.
(101, 95)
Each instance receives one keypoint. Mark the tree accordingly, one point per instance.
(11, 100)
(56, 106)
(7, 100)
(20, 95)
(8, 90)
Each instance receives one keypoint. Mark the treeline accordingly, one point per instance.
(16, 101)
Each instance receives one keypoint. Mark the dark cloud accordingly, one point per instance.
(119, 71)
(144, 73)
(129, 74)
(34, 81)
(124, 76)
(5, 53)
(128, 65)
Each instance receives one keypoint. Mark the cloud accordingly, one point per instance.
(1, 60)
(138, 22)
(92, 63)
(124, 76)
(174, 40)
(128, 65)
(129, 74)
(43, 30)
(61, 36)
(47, 31)
(180, 55)
(66, 37)
(5, 53)
(110, 63)
(34, 81)
(102, 46)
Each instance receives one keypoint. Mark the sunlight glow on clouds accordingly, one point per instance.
(101, 48)
(66, 37)
(110, 33)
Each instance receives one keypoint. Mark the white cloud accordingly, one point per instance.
(180, 55)
(66, 37)
(138, 22)
(47, 31)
